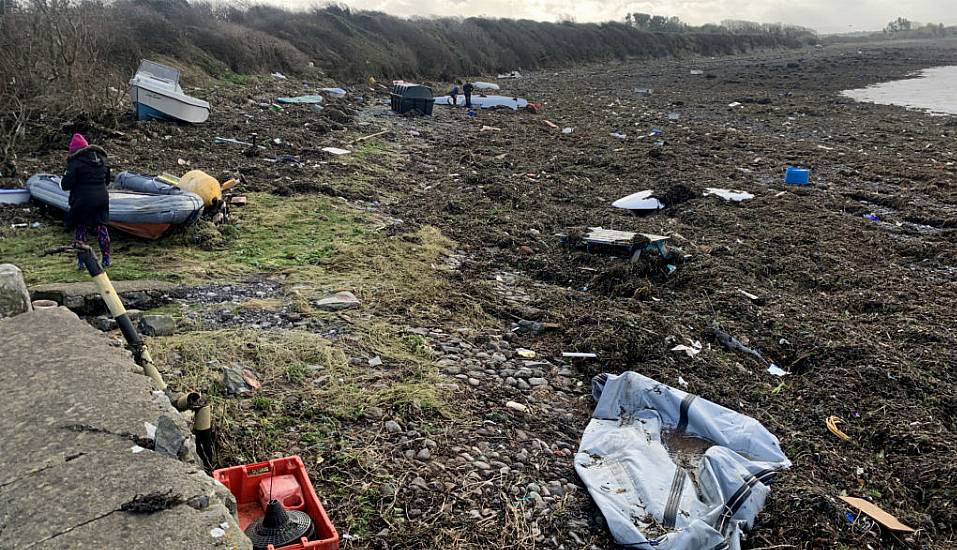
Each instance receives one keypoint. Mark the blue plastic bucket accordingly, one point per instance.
(797, 176)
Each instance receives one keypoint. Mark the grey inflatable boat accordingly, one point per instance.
(134, 201)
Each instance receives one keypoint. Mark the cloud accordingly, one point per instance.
(823, 15)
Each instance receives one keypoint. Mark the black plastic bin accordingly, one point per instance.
(412, 97)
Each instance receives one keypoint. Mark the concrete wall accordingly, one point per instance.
(73, 409)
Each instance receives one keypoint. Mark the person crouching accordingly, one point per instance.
(87, 175)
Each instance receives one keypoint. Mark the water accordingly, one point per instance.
(931, 90)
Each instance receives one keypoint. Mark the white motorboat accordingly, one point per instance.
(156, 94)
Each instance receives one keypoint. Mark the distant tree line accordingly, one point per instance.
(661, 23)
(902, 25)
(655, 23)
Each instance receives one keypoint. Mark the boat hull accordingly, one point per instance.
(153, 103)
(14, 196)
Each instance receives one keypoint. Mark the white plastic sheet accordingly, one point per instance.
(732, 195)
(635, 481)
(642, 200)
(485, 101)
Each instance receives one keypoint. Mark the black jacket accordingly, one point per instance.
(467, 89)
(86, 178)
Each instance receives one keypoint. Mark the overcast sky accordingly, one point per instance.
(822, 15)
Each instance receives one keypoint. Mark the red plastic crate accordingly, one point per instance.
(243, 483)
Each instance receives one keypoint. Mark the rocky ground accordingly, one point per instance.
(476, 416)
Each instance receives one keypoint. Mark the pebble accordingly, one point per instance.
(419, 483)
(474, 382)
(424, 454)
(516, 406)
(482, 465)
(392, 427)
(537, 381)
(375, 413)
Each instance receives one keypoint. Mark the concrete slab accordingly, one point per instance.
(84, 299)
(74, 407)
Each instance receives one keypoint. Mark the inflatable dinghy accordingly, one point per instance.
(139, 205)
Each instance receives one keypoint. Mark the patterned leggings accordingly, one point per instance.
(102, 237)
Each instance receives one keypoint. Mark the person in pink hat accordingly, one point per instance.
(86, 178)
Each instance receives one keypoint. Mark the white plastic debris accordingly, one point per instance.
(217, 532)
(150, 430)
(485, 86)
(642, 200)
(682, 382)
(568, 130)
(137, 449)
(336, 151)
(279, 75)
(748, 295)
(729, 194)
(696, 71)
(690, 351)
(776, 370)
(618, 135)
(734, 104)
(578, 355)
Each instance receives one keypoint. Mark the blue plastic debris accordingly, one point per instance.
(797, 176)
(851, 518)
(872, 217)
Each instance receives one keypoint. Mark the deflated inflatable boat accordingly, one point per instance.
(672, 471)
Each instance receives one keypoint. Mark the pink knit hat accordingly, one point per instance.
(78, 142)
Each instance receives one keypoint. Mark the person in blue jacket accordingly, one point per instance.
(454, 94)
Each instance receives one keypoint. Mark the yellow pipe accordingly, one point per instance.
(202, 419)
(106, 290)
(187, 401)
(149, 369)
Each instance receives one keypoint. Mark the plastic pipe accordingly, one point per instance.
(187, 401)
(203, 432)
(203, 417)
